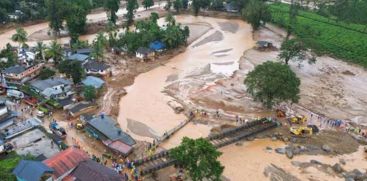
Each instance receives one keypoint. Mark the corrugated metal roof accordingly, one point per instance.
(66, 160)
(107, 126)
(93, 81)
(90, 170)
(31, 170)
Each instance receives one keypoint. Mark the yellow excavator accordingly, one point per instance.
(298, 119)
(301, 131)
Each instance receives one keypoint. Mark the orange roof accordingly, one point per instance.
(66, 160)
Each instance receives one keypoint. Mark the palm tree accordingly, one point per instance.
(54, 52)
(40, 48)
(170, 19)
(20, 36)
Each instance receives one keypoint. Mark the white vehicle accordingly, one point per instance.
(15, 94)
(40, 114)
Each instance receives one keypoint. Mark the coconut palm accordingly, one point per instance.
(99, 44)
(20, 36)
(54, 52)
(40, 51)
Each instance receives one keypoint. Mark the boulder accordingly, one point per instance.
(337, 168)
(289, 153)
(280, 150)
(326, 148)
(315, 162)
(273, 138)
(342, 161)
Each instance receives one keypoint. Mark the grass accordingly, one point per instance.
(7, 165)
(326, 36)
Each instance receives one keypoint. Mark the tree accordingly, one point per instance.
(112, 6)
(185, 4)
(54, 52)
(20, 36)
(72, 69)
(9, 55)
(217, 5)
(256, 13)
(199, 4)
(199, 157)
(46, 73)
(76, 21)
(89, 93)
(40, 51)
(99, 45)
(148, 3)
(154, 17)
(293, 12)
(131, 6)
(168, 6)
(272, 83)
(56, 14)
(291, 49)
(177, 4)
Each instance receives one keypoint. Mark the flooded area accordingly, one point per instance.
(145, 102)
(38, 32)
(254, 160)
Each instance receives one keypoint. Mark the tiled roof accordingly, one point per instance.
(66, 160)
(90, 170)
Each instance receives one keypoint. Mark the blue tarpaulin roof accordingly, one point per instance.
(157, 45)
(31, 170)
(93, 81)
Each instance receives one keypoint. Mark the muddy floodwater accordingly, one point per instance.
(254, 161)
(222, 44)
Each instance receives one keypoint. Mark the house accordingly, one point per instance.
(54, 87)
(90, 170)
(81, 108)
(78, 57)
(93, 81)
(28, 170)
(231, 7)
(104, 128)
(84, 51)
(97, 68)
(64, 162)
(263, 45)
(157, 46)
(67, 102)
(7, 118)
(144, 53)
(20, 73)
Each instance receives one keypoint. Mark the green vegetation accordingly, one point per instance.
(99, 44)
(89, 93)
(20, 36)
(147, 31)
(272, 83)
(76, 19)
(40, 51)
(199, 4)
(112, 6)
(199, 157)
(54, 52)
(8, 163)
(9, 55)
(148, 3)
(72, 69)
(292, 49)
(46, 73)
(256, 13)
(131, 6)
(324, 35)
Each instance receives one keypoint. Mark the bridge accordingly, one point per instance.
(162, 159)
